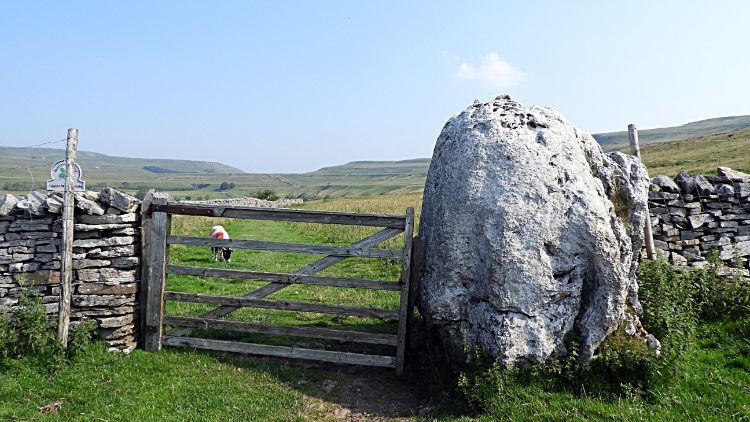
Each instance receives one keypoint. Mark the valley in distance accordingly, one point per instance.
(697, 147)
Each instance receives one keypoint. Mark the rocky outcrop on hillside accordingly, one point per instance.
(529, 233)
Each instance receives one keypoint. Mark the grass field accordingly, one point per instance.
(665, 150)
(196, 180)
(615, 141)
(699, 155)
(181, 385)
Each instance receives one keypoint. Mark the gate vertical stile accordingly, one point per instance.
(157, 278)
(403, 320)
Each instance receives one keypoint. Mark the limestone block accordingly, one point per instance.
(677, 259)
(663, 196)
(107, 275)
(54, 265)
(733, 175)
(110, 241)
(54, 203)
(38, 235)
(120, 200)
(107, 289)
(33, 203)
(666, 184)
(88, 206)
(100, 227)
(113, 211)
(725, 190)
(127, 232)
(46, 257)
(678, 211)
(31, 225)
(109, 219)
(738, 249)
(24, 267)
(115, 322)
(88, 312)
(89, 263)
(8, 204)
(109, 301)
(128, 342)
(126, 262)
(115, 251)
(4, 226)
(46, 248)
(44, 277)
(115, 333)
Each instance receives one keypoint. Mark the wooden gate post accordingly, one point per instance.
(647, 234)
(403, 320)
(66, 266)
(145, 257)
(157, 261)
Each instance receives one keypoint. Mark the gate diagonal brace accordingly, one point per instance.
(310, 269)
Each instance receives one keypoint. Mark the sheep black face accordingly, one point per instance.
(226, 253)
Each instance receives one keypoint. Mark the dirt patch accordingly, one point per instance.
(358, 393)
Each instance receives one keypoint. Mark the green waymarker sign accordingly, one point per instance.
(58, 177)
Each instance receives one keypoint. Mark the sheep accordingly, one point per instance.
(218, 232)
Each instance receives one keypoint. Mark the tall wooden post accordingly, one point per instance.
(157, 277)
(636, 151)
(66, 271)
(404, 306)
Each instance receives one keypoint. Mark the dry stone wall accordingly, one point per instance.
(106, 258)
(692, 214)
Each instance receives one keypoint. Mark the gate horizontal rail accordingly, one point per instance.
(281, 351)
(356, 283)
(286, 330)
(283, 305)
(286, 247)
(157, 217)
(283, 214)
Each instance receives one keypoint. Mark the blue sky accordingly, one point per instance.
(295, 86)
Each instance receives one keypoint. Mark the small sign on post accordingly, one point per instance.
(58, 174)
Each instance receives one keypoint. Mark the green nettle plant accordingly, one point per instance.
(721, 296)
(28, 334)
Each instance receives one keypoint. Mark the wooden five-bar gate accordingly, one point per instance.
(155, 282)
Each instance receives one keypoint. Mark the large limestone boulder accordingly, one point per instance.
(521, 243)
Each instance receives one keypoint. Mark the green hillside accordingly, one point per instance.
(694, 146)
(615, 141)
(199, 179)
(94, 162)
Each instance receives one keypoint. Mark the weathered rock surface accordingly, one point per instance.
(119, 200)
(520, 241)
(733, 175)
(666, 184)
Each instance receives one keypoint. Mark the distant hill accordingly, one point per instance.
(201, 179)
(96, 162)
(615, 141)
